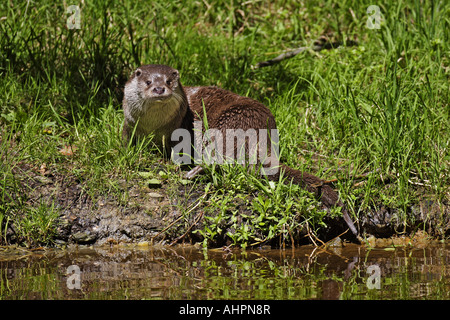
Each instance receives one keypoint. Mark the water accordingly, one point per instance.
(186, 272)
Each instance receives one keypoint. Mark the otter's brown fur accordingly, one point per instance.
(156, 103)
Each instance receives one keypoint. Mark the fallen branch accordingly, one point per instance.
(318, 45)
(180, 217)
(197, 219)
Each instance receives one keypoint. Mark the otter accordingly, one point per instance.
(155, 103)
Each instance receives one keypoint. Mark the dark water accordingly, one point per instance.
(350, 272)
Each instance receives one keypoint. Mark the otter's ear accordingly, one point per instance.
(176, 74)
(138, 72)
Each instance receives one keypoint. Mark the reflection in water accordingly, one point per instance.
(350, 272)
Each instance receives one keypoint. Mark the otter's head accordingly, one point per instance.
(153, 91)
(153, 82)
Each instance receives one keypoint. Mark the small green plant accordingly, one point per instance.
(38, 225)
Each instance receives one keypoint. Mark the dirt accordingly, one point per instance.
(149, 214)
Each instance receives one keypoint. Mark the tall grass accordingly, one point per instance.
(379, 109)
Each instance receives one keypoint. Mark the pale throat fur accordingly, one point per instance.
(152, 114)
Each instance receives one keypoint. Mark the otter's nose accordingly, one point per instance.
(159, 90)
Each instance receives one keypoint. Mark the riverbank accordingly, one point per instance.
(372, 118)
(160, 213)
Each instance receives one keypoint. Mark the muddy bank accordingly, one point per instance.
(154, 214)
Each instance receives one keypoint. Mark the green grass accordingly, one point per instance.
(380, 109)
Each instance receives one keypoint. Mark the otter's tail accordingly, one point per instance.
(317, 186)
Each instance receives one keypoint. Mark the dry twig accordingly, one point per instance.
(318, 45)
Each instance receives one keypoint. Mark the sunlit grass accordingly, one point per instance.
(379, 109)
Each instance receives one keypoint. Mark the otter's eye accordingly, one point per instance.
(148, 82)
(138, 73)
(169, 82)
